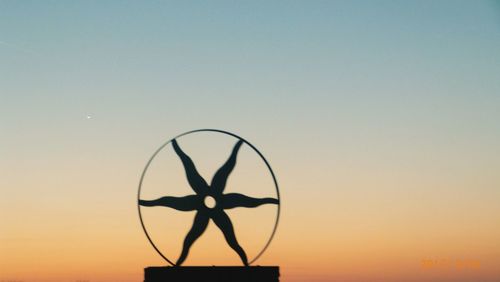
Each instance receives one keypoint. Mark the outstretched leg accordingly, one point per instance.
(224, 223)
(199, 225)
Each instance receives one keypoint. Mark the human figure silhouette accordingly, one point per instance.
(203, 212)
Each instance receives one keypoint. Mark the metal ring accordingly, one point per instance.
(223, 132)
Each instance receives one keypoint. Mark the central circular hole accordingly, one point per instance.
(210, 202)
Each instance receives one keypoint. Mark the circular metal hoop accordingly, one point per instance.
(223, 132)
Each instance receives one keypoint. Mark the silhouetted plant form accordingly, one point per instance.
(209, 202)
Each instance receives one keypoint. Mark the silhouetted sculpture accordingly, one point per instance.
(201, 202)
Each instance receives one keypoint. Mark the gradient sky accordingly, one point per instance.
(380, 119)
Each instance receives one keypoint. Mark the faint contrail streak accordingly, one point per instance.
(5, 43)
(15, 47)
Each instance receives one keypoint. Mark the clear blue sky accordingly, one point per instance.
(314, 63)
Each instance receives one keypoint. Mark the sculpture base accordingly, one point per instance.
(212, 274)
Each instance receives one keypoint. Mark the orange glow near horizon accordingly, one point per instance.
(334, 238)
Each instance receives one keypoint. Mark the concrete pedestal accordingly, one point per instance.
(212, 274)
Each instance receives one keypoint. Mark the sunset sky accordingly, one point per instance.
(381, 120)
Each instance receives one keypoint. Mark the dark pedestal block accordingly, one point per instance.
(212, 274)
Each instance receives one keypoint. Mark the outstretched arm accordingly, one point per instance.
(235, 200)
(197, 183)
(220, 178)
(187, 203)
